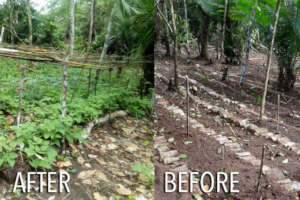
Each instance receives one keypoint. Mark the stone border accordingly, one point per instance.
(276, 173)
(89, 127)
(283, 140)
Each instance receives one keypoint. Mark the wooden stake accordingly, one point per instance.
(261, 167)
(64, 101)
(278, 106)
(22, 67)
(187, 105)
(109, 116)
(223, 152)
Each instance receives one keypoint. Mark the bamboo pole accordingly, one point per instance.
(187, 105)
(64, 101)
(22, 67)
(261, 167)
(278, 106)
(105, 47)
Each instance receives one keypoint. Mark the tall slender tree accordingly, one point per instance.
(223, 28)
(175, 44)
(72, 23)
(250, 27)
(186, 23)
(29, 22)
(11, 10)
(263, 102)
(90, 40)
(2, 34)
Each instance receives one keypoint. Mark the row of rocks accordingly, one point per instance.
(171, 157)
(235, 147)
(244, 123)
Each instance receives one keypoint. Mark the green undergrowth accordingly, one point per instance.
(40, 136)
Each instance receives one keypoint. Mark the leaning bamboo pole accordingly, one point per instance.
(263, 102)
(105, 47)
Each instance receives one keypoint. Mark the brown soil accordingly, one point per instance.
(202, 153)
(202, 156)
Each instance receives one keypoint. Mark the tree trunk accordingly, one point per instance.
(250, 27)
(204, 36)
(263, 102)
(286, 77)
(90, 41)
(175, 44)
(72, 31)
(29, 22)
(11, 22)
(166, 34)
(106, 43)
(186, 24)
(2, 34)
(223, 28)
(148, 70)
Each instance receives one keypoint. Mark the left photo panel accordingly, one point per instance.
(76, 99)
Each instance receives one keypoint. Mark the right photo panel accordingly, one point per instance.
(227, 96)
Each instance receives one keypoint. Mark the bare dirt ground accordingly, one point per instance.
(203, 151)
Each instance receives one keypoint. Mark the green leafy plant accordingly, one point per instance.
(145, 169)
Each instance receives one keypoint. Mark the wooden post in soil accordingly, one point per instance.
(261, 167)
(109, 116)
(278, 106)
(64, 100)
(22, 67)
(263, 102)
(187, 105)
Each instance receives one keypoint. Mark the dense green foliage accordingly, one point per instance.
(42, 129)
(205, 20)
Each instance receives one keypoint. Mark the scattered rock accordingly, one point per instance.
(97, 196)
(88, 165)
(62, 164)
(131, 147)
(122, 190)
(92, 156)
(80, 160)
(140, 197)
(296, 186)
(52, 197)
(111, 147)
